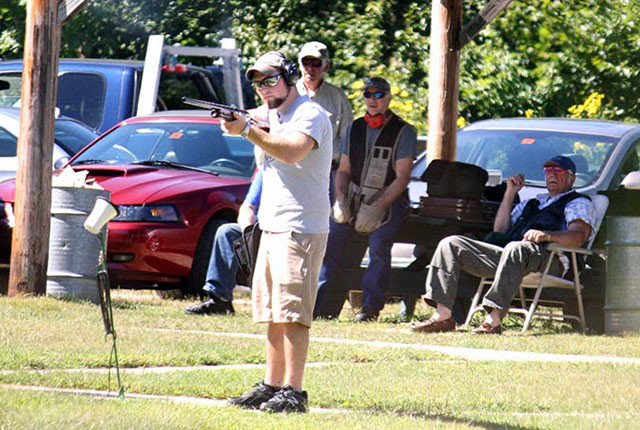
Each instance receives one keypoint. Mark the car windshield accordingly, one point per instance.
(72, 136)
(199, 145)
(524, 151)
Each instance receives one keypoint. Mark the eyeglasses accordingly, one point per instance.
(375, 94)
(554, 169)
(269, 82)
(314, 63)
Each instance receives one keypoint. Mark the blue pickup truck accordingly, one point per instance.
(101, 93)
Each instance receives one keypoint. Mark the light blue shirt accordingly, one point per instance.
(255, 190)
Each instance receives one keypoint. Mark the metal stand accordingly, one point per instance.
(104, 290)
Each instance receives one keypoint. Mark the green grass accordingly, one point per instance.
(379, 387)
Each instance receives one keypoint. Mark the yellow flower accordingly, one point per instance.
(528, 113)
(589, 108)
(404, 94)
(395, 90)
(462, 122)
(357, 85)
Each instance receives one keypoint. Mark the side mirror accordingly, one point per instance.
(632, 181)
(60, 162)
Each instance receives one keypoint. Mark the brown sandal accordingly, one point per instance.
(431, 326)
(486, 328)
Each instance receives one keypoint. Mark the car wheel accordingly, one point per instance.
(201, 258)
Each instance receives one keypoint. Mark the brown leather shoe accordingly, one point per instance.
(431, 326)
(486, 328)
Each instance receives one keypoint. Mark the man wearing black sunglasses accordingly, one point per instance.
(371, 198)
(314, 63)
(294, 217)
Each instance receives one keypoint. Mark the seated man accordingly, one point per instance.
(517, 247)
(222, 269)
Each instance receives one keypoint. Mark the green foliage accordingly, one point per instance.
(538, 58)
(365, 38)
(12, 24)
(119, 29)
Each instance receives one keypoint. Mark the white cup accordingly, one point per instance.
(495, 177)
(103, 210)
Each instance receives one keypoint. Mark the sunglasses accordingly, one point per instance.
(554, 169)
(314, 63)
(375, 94)
(269, 82)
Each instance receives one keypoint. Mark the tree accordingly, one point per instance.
(539, 56)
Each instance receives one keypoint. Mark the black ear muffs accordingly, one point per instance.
(290, 72)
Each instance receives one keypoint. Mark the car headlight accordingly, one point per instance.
(153, 213)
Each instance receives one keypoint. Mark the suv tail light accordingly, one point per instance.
(178, 68)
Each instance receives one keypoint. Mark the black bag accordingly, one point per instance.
(455, 179)
(245, 250)
(497, 238)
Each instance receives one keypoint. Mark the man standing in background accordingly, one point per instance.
(314, 62)
(371, 198)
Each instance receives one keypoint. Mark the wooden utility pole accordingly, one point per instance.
(30, 243)
(447, 39)
(444, 71)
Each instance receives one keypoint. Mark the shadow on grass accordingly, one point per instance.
(466, 421)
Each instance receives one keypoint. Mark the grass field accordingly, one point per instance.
(176, 368)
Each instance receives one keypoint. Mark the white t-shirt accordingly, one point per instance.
(295, 197)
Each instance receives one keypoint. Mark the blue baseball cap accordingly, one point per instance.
(561, 161)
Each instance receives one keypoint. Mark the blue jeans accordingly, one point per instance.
(221, 273)
(376, 277)
(332, 184)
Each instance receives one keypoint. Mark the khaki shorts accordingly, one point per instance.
(285, 280)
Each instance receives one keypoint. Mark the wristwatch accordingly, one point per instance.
(245, 131)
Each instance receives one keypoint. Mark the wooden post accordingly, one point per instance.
(444, 71)
(30, 243)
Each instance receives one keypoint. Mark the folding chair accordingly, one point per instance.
(541, 280)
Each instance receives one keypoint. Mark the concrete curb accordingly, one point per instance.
(112, 395)
(471, 354)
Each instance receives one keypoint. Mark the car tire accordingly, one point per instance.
(201, 258)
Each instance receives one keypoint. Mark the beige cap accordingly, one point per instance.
(268, 64)
(314, 49)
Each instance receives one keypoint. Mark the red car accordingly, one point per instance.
(175, 177)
